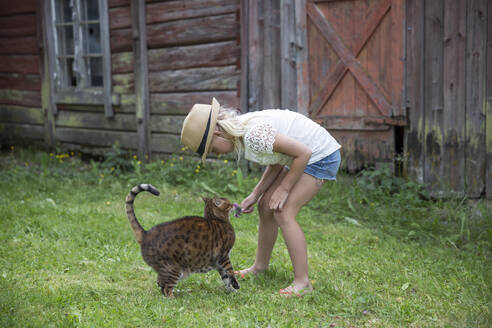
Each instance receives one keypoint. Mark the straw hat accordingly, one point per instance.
(199, 126)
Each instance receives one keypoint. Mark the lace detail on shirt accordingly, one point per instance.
(260, 138)
(258, 142)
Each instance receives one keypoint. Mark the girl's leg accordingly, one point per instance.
(302, 192)
(267, 229)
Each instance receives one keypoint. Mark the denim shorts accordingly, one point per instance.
(326, 168)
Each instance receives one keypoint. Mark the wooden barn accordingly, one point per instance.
(404, 82)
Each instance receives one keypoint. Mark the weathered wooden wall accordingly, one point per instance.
(20, 74)
(446, 94)
(191, 51)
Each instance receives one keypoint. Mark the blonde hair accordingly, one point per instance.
(228, 121)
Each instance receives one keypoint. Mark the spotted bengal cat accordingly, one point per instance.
(191, 244)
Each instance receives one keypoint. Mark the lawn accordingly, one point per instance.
(381, 253)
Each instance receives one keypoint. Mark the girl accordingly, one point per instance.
(299, 156)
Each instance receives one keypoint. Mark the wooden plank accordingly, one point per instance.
(96, 138)
(433, 99)
(30, 82)
(453, 161)
(203, 55)
(18, 7)
(175, 10)
(141, 69)
(47, 65)
(396, 53)
(373, 90)
(195, 79)
(217, 54)
(476, 102)
(302, 57)
(16, 26)
(414, 88)
(19, 114)
(160, 12)
(122, 62)
(123, 83)
(255, 41)
(126, 104)
(20, 97)
(181, 103)
(84, 97)
(351, 123)
(186, 32)
(166, 143)
(19, 46)
(166, 123)
(488, 133)
(288, 79)
(19, 64)
(22, 131)
(95, 120)
(243, 63)
(271, 48)
(106, 59)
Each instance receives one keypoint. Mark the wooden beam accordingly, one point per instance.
(141, 72)
(476, 102)
(302, 57)
(288, 90)
(414, 88)
(47, 64)
(488, 113)
(453, 161)
(244, 67)
(106, 59)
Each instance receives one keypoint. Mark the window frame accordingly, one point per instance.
(80, 94)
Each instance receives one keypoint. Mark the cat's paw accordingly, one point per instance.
(234, 283)
(231, 284)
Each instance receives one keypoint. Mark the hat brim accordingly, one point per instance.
(213, 122)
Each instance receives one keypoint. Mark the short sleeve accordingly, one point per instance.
(260, 138)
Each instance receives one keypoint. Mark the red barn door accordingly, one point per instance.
(355, 60)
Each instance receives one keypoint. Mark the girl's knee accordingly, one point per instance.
(263, 206)
(283, 217)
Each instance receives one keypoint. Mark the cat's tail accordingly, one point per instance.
(138, 231)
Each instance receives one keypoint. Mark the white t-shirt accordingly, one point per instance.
(262, 126)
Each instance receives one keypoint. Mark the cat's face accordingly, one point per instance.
(219, 206)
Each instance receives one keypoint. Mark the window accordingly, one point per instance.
(80, 45)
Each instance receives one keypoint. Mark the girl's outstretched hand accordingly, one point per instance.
(248, 203)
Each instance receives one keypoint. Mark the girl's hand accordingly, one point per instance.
(247, 203)
(278, 199)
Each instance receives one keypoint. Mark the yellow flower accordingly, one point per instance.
(197, 170)
(112, 169)
(12, 147)
(226, 161)
(180, 158)
(139, 162)
(51, 154)
(27, 164)
(134, 156)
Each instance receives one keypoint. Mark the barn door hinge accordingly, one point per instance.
(385, 121)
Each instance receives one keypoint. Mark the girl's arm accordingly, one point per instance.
(269, 175)
(300, 154)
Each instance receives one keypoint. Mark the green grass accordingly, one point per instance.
(381, 254)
